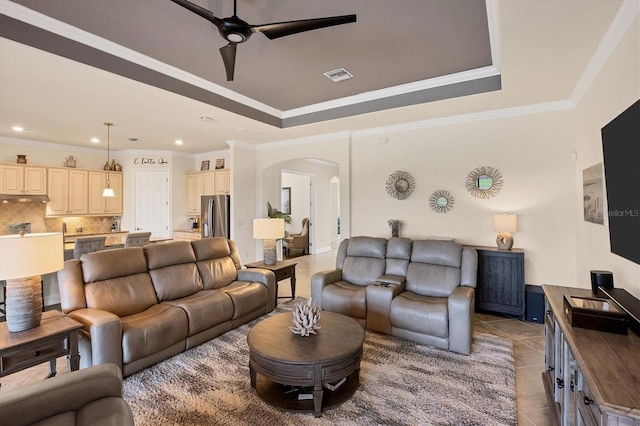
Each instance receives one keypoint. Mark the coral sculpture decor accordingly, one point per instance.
(305, 318)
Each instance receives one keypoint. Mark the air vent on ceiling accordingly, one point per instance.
(339, 74)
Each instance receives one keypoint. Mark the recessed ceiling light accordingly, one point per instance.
(132, 139)
(18, 129)
(339, 74)
(207, 119)
(95, 140)
(179, 142)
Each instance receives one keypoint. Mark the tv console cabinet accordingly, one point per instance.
(591, 377)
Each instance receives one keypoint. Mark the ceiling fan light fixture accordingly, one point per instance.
(339, 74)
(235, 38)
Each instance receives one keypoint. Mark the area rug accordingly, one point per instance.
(401, 383)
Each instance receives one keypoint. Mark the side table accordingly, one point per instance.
(283, 270)
(56, 336)
(500, 286)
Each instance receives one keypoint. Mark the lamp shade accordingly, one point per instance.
(505, 222)
(108, 192)
(268, 229)
(30, 254)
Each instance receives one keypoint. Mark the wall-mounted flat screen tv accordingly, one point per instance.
(621, 150)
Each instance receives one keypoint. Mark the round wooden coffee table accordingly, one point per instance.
(291, 372)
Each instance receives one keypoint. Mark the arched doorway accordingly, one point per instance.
(310, 178)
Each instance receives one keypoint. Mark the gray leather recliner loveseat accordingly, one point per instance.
(141, 305)
(422, 290)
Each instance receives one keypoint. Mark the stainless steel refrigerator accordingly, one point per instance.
(215, 216)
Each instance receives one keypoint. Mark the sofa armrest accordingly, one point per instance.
(104, 332)
(320, 279)
(469, 267)
(68, 392)
(379, 297)
(461, 306)
(264, 276)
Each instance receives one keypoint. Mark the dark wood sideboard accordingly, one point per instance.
(500, 287)
(591, 377)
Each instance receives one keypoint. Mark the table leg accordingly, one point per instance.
(252, 374)
(317, 400)
(73, 359)
(293, 283)
(52, 368)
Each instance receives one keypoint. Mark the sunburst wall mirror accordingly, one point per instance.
(400, 185)
(441, 201)
(484, 182)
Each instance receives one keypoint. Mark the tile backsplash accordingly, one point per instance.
(34, 213)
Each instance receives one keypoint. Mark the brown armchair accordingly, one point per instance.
(299, 241)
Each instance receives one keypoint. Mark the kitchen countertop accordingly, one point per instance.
(191, 230)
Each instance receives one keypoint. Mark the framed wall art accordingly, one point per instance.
(285, 200)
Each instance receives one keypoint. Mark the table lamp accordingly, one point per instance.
(23, 258)
(268, 230)
(505, 224)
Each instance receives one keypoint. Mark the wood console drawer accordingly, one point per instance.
(285, 273)
(33, 355)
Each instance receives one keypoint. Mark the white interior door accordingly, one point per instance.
(152, 202)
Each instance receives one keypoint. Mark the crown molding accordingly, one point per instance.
(305, 140)
(628, 13)
(388, 92)
(468, 118)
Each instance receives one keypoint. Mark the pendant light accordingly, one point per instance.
(108, 192)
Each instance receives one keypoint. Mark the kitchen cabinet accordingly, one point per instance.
(67, 190)
(210, 182)
(500, 287)
(223, 182)
(98, 204)
(19, 179)
(590, 377)
(195, 187)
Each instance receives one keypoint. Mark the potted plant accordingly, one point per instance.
(274, 213)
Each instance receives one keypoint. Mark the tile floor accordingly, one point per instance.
(528, 346)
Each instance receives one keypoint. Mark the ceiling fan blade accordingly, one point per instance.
(228, 53)
(206, 14)
(281, 29)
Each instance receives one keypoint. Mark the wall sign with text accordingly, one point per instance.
(149, 161)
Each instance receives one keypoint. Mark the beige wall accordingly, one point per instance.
(533, 154)
(616, 87)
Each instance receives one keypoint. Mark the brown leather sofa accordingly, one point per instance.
(92, 396)
(422, 290)
(141, 305)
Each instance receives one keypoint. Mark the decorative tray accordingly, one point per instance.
(596, 314)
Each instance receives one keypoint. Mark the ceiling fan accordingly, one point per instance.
(236, 31)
